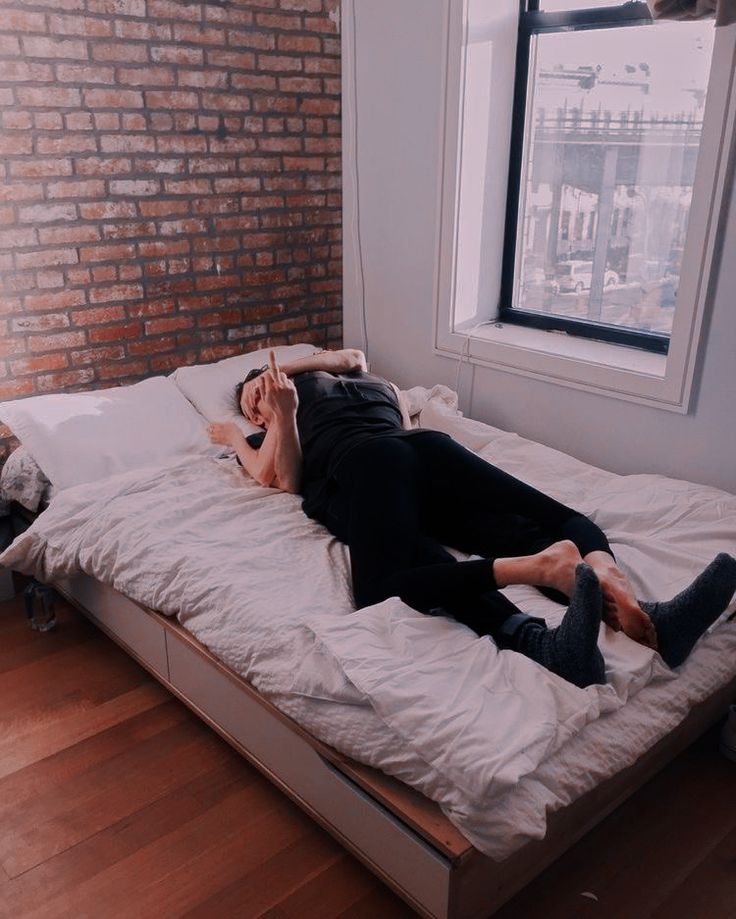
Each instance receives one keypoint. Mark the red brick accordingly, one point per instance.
(77, 234)
(151, 307)
(177, 143)
(151, 346)
(95, 355)
(66, 379)
(48, 97)
(171, 99)
(47, 213)
(118, 7)
(55, 301)
(35, 364)
(99, 315)
(176, 54)
(11, 346)
(203, 79)
(187, 186)
(56, 342)
(327, 65)
(168, 362)
(40, 323)
(106, 253)
(15, 144)
(264, 41)
(16, 121)
(126, 53)
(136, 187)
(307, 44)
(107, 210)
(170, 324)
(195, 35)
(24, 72)
(94, 166)
(116, 292)
(117, 371)
(158, 247)
(272, 21)
(175, 9)
(54, 48)
(120, 332)
(78, 121)
(48, 121)
(252, 81)
(17, 239)
(225, 102)
(14, 388)
(34, 168)
(78, 275)
(114, 143)
(300, 84)
(83, 73)
(134, 122)
(104, 273)
(78, 25)
(113, 98)
(146, 76)
(72, 143)
(144, 31)
(89, 189)
(21, 21)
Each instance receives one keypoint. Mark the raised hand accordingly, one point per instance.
(277, 391)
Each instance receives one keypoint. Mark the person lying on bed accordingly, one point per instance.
(397, 496)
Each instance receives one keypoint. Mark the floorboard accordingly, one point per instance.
(116, 801)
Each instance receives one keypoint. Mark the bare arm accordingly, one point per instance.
(278, 462)
(344, 361)
(405, 420)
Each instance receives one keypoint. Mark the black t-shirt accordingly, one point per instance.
(337, 412)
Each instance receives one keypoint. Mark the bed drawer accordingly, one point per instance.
(132, 626)
(273, 745)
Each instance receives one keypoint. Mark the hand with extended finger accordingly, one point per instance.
(278, 393)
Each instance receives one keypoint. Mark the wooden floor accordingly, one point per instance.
(115, 801)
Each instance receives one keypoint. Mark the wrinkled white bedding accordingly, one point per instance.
(490, 735)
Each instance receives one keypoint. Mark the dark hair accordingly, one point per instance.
(251, 375)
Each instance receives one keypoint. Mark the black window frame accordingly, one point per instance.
(533, 21)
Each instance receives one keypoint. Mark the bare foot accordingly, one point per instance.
(630, 619)
(559, 562)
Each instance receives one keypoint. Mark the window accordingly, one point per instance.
(637, 277)
(605, 138)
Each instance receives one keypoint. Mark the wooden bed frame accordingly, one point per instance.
(398, 833)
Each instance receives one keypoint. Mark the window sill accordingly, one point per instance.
(608, 369)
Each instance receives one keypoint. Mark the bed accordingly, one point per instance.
(455, 804)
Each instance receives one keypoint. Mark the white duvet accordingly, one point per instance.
(493, 737)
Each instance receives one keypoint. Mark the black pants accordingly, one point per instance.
(397, 501)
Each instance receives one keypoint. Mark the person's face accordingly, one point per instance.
(252, 405)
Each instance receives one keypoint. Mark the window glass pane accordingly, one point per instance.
(564, 6)
(614, 120)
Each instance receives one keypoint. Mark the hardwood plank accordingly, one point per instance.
(78, 808)
(379, 902)
(274, 879)
(60, 875)
(339, 886)
(189, 863)
(35, 738)
(20, 646)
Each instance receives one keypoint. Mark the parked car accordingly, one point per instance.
(577, 276)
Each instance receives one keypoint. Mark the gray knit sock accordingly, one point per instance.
(570, 650)
(681, 621)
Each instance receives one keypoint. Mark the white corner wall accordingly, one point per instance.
(399, 56)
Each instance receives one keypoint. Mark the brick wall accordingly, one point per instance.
(169, 185)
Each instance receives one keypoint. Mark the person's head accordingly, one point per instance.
(248, 398)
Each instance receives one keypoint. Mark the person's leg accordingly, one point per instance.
(681, 621)
(467, 500)
(391, 557)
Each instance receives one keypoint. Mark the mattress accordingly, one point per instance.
(495, 739)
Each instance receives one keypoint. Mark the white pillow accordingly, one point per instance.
(85, 436)
(211, 387)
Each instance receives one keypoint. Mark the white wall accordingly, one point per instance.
(399, 57)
